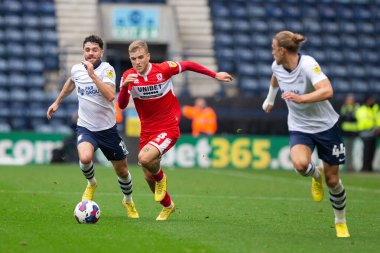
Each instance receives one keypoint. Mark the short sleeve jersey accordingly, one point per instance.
(154, 98)
(95, 112)
(308, 117)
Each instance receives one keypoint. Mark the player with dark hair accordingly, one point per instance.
(94, 82)
(312, 121)
(151, 87)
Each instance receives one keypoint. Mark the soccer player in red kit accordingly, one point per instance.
(151, 87)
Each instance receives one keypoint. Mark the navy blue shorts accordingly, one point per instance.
(329, 143)
(109, 142)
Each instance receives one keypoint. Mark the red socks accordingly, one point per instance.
(167, 201)
(159, 176)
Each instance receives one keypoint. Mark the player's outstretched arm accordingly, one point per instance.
(196, 67)
(124, 94)
(68, 87)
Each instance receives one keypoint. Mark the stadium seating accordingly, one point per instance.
(28, 48)
(345, 47)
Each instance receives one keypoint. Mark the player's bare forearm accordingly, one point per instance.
(107, 89)
(68, 87)
(323, 91)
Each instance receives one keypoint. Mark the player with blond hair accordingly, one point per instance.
(312, 121)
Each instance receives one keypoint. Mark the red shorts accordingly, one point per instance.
(163, 140)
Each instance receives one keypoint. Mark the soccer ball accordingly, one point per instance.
(87, 211)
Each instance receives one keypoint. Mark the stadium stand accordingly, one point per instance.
(28, 51)
(40, 37)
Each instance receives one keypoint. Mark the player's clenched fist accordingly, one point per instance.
(130, 78)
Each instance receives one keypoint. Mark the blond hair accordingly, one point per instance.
(138, 44)
(289, 40)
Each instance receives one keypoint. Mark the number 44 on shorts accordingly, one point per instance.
(339, 151)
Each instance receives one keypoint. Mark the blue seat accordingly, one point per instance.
(260, 40)
(341, 85)
(366, 27)
(258, 25)
(222, 24)
(247, 69)
(264, 70)
(241, 26)
(368, 41)
(219, 10)
(370, 56)
(243, 40)
(36, 80)
(295, 26)
(47, 8)
(352, 56)
(18, 80)
(292, 11)
(51, 63)
(15, 50)
(244, 54)
(34, 65)
(38, 96)
(372, 71)
(348, 27)
(50, 36)
(3, 65)
(273, 11)
(225, 53)
(11, 6)
(31, 21)
(4, 126)
(326, 11)
(48, 22)
(12, 21)
(335, 56)
(35, 50)
(50, 49)
(3, 79)
(331, 40)
(362, 13)
(350, 41)
(30, 7)
(32, 35)
(312, 26)
(226, 66)
(248, 83)
(4, 95)
(330, 27)
(275, 25)
(359, 85)
(14, 35)
(223, 40)
(238, 10)
(18, 95)
(19, 123)
(256, 10)
(345, 12)
(263, 55)
(15, 64)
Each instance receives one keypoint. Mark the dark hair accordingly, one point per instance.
(94, 39)
(289, 40)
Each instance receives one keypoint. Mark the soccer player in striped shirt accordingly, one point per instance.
(151, 86)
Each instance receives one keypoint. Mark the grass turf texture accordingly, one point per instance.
(217, 211)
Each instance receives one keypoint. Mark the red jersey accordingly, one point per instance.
(153, 94)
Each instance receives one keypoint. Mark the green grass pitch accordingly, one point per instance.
(217, 211)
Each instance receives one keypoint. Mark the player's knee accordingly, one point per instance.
(85, 159)
(300, 167)
(332, 181)
(144, 160)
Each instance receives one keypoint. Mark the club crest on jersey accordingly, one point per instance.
(110, 73)
(317, 69)
(172, 64)
(159, 77)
